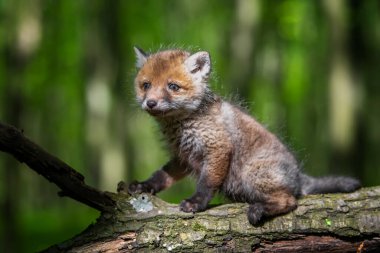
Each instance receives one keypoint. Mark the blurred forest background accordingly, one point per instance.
(309, 70)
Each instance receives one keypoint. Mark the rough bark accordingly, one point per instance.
(325, 223)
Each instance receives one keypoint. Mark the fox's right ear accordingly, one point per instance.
(141, 57)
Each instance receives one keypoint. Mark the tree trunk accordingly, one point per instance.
(326, 223)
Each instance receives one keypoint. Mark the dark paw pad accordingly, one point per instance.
(136, 187)
(189, 207)
(255, 213)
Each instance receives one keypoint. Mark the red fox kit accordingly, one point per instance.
(225, 148)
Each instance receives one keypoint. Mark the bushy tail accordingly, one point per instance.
(330, 184)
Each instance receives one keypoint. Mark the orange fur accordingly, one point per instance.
(162, 69)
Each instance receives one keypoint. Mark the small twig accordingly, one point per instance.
(71, 182)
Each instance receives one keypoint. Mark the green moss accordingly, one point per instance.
(149, 236)
(198, 227)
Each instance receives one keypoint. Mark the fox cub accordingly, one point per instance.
(225, 148)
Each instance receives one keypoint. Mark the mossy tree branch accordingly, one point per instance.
(326, 223)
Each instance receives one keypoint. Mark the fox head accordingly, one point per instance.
(171, 82)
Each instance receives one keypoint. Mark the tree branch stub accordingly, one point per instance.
(70, 182)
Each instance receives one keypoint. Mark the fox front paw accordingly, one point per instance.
(136, 187)
(191, 206)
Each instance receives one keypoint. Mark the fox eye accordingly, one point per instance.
(173, 86)
(146, 85)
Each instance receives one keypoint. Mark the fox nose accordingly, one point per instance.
(151, 103)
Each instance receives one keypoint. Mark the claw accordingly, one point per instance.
(136, 187)
(189, 207)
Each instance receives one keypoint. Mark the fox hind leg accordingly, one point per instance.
(279, 202)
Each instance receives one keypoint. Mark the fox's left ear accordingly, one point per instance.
(199, 65)
(141, 57)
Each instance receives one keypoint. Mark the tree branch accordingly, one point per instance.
(324, 223)
(71, 182)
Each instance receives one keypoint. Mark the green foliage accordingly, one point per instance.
(66, 78)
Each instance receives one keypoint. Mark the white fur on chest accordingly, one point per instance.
(185, 139)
